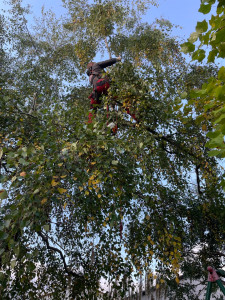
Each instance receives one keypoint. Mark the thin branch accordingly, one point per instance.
(31, 38)
(107, 46)
(219, 253)
(198, 179)
(27, 114)
(172, 142)
(68, 271)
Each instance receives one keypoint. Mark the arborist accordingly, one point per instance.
(100, 84)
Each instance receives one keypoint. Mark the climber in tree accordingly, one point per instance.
(100, 84)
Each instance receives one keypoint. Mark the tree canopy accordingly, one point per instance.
(79, 203)
(210, 35)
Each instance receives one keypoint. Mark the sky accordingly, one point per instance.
(183, 13)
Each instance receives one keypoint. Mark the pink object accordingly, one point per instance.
(213, 276)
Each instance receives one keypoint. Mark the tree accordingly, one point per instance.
(79, 203)
(210, 96)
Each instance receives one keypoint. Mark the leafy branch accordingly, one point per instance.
(49, 247)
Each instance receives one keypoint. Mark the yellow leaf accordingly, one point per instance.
(13, 179)
(62, 191)
(92, 218)
(86, 193)
(99, 196)
(93, 163)
(74, 178)
(147, 217)
(204, 127)
(23, 174)
(64, 176)
(157, 286)
(65, 205)
(177, 280)
(43, 201)
(54, 183)
(81, 188)
(60, 165)
(104, 224)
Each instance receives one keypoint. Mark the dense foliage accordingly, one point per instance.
(80, 203)
(209, 99)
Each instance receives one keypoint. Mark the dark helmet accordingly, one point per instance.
(89, 68)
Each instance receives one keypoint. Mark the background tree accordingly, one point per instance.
(209, 97)
(79, 203)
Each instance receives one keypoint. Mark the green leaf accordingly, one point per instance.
(220, 36)
(199, 55)
(220, 120)
(22, 161)
(3, 235)
(205, 9)
(7, 223)
(221, 154)
(214, 152)
(13, 263)
(213, 134)
(3, 194)
(217, 141)
(184, 95)
(221, 73)
(220, 92)
(212, 54)
(222, 129)
(187, 47)
(193, 37)
(36, 191)
(202, 27)
(46, 228)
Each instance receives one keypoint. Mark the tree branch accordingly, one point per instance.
(219, 253)
(107, 46)
(198, 179)
(170, 141)
(68, 271)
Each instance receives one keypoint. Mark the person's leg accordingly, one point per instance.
(94, 103)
